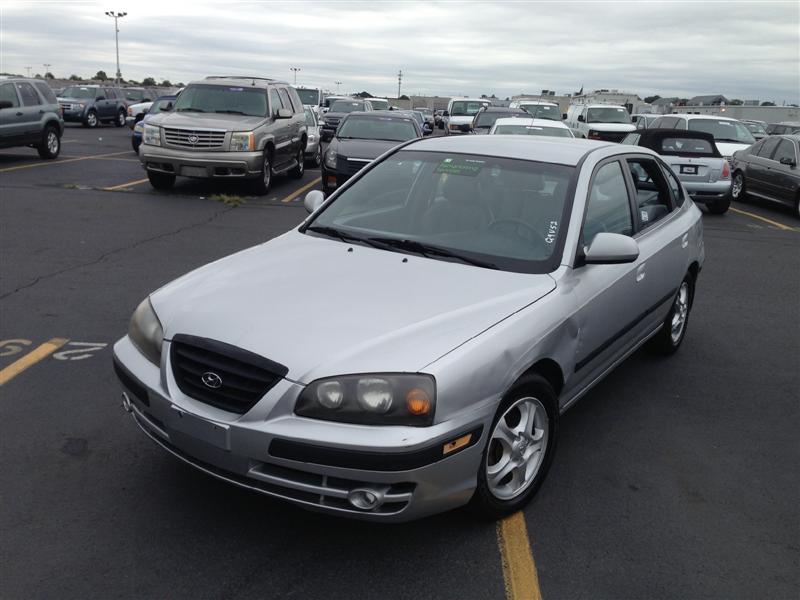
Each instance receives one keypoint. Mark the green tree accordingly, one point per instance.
(49, 75)
(101, 75)
(767, 104)
(179, 84)
(74, 78)
(37, 76)
(166, 83)
(149, 81)
(736, 102)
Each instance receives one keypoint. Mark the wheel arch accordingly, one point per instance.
(550, 370)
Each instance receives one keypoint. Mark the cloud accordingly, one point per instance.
(740, 49)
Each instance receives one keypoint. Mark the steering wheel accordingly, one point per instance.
(519, 228)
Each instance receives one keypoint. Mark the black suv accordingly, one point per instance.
(486, 117)
(93, 104)
(30, 116)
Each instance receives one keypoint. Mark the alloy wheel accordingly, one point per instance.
(267, 172)
(52, 142)
(680, 311)
(91, 119)
(301, 163)
(737, 186)
(517, 448)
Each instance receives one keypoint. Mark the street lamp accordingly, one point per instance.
(116, 16)
(338, 83)
(295, 70)
(46, 69)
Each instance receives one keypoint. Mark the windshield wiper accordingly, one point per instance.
(427, 250)
(229, 112)
(341, 235)
(729, 141)
(189, 110)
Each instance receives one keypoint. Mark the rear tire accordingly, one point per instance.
(50, 146)
(719, 207)
(738, 187)
(300, 169)
(161, 181)
(797, 206)
(262, 184)
(670, 336)
(495, 498)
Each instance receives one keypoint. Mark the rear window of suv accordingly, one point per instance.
(223, 99)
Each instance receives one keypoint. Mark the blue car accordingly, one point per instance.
(157, 106)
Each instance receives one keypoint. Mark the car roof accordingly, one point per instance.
(486, 100)
(502, 109)
(374, 114)
(600, 105)
(527, 121)
(691, 116)
(238, 80)
(532, 101)
(565, 151)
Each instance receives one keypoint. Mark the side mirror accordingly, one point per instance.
(581, 119)
(611, 249)
(313, 200)
(445, 114)
(563, 116)
(6, 104)
(284, 113)
(787, 160)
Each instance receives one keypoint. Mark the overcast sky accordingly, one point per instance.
(748, 50)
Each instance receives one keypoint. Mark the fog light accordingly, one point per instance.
(365, 499)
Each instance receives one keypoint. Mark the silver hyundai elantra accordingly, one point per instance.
(409, 348)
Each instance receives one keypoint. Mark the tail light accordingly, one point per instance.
(726, 170)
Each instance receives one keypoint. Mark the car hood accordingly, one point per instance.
(460, 120)
(363, 148)
(190, 120)
(611, 126)
(728, 148)
(335, 115)
(67, 99)
(140, 106)
(322, 307)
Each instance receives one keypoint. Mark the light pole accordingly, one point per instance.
(399, 83)
(338, 83)
(294, 70)
(46, 69)
(29, 72)
(116, 16)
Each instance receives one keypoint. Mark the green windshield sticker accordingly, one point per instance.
(460, 166)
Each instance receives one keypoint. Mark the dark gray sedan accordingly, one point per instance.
(768, 169)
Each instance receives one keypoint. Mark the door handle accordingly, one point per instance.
(19, 114)
(640, 273)
(685, 240)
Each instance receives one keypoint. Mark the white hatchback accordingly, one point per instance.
(517, 126)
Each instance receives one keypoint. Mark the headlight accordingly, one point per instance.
(311, 138)
(130, 111)
(138, 127)
(151, 135)
(243, 141)
(145, 331)
(374, 399)
(330, 159)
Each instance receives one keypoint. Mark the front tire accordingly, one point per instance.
(161, 181)
(120, 120)
(298, 171)
(520, 448)
(738, 187)
(50, 146)
(670, 336)
(262, 184)
(91, 120)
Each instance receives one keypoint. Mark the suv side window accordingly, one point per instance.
(111, 94)
(46, 92)
(768, 146)
(275, 101)
(285, 99)
(28, 94)
(608, 207)
(668, 122)
(680, 123)
(9, 94)
(785, 150)
(653, 197)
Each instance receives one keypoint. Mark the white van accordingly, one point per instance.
(607, 122)
(459, 113)
(539, 109)
(379, 103)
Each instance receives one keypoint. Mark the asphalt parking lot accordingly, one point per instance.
(674, 478)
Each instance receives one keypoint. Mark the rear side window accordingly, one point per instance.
(295, 98)
(674, 187)
(28, 94)
(653, 197)
(768, 146)
(275, 101)
(785, 150)
(608, 208)
(46, 92)
(285, 99)
(8, 94)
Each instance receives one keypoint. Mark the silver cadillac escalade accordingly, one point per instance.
(227, 128)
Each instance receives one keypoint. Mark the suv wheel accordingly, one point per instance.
(520, 448)
(91, 119)
(297, 172)
(261, 185)
(161, 181)
(120, 121)
(50, 145)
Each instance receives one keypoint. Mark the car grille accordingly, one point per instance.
(194, 138)
(331, 122)
(68, 106)
(611, 136)
(222, 375)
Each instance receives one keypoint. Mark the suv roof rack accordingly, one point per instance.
(270, 79)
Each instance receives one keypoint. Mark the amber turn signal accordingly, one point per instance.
(418, 402)
(456, 444)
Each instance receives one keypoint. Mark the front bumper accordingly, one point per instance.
(201, 165)
(708, 192)
(272, 451)
(74, 116)
(312, 146)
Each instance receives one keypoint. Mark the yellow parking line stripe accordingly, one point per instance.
(30, 359)
(766, 220)
(125, 185)
(61, 162)
(519, 570)
(296, 193)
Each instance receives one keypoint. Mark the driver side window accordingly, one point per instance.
(608, 208)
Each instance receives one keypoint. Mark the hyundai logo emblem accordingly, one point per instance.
(211, 380)
(193, 139)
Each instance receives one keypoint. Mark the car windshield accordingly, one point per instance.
(462, 108)
(492, 212)
(485, 120)
(379, 104)
(79, 92)
(311, 119)
(608, 114)
(533, 130)
(308, 96)
(223, 99)
(346, 106)
(425, 111)
(755, 128)
(134, 95)
(159, 105)
(543, 111)
(377, 128)
(723, 131)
